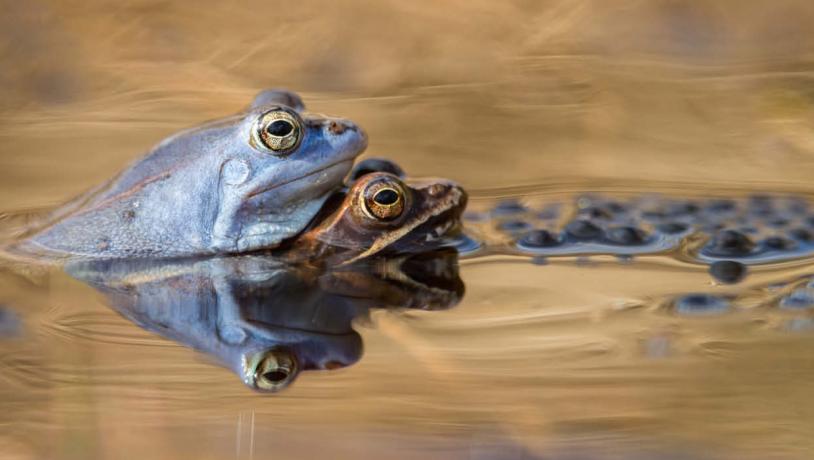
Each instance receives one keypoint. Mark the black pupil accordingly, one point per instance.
(386, 197)
(280, 128)
(275, 376)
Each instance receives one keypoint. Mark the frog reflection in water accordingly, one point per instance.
(267, 317)
(238, 184)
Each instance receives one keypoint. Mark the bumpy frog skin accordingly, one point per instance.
(217, 188)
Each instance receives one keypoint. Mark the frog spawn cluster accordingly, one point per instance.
(726, 234)
(790, 304)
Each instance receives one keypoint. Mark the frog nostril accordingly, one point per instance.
(336, 127)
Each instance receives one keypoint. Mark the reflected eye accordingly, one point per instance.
(384, 199)
(278, 130)
(274, 370)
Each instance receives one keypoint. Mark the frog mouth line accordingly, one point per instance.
(295, 179)
(439, 220)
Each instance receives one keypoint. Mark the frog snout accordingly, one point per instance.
(450, 189)
(462, 198)
(338, 127)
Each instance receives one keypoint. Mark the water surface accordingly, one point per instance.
(578, 356)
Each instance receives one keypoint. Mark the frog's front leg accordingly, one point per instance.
(240, 227)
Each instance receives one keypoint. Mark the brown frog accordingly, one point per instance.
(381, 214)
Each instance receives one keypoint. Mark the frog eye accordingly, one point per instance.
(278, 130)
(384, 199)
(273, 370)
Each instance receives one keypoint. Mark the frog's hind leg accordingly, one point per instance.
(16, 225)
(32, 272)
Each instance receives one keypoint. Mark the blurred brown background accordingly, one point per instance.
(490, 93)
(632, 93)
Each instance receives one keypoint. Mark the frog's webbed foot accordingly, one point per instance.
(278, 97)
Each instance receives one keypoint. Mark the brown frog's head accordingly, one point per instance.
(382, 213)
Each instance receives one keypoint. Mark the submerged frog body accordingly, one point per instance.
(242, 183)
(382, 214)
(263, 318)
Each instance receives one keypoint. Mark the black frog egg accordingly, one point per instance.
(626, 236)
(730, 243)
(760, 205)
(672, 228)
(682, 208)
(700, 305)
(615, 207)
(778, 243)
(721, 206)
(671, 209)
(727, 271)
(583, 230)
(538, 239)
(801, 234)
(654, 215)
(779, 222)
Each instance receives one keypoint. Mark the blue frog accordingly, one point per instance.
(238, 184)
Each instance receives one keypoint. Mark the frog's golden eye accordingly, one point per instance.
(278, 130)
(384, 200)
(272, 370)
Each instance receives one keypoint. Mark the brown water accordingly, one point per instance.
(571, 360)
